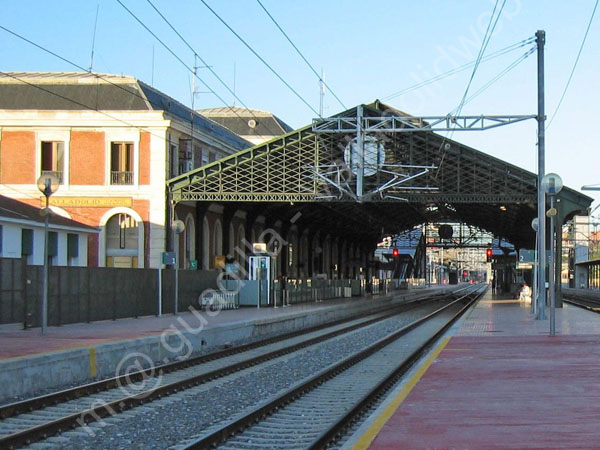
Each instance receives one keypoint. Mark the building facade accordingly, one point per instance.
(253, 125)
(112, 141)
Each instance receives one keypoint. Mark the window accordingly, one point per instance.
(52, 159)
(0, 240)
(52, 247)
(121, 163)
(72, 248)
(52, 243)
(204, 157)
(27, 243)
(174, 160)
(186, 158)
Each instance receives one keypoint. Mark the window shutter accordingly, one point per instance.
(26, 242)
(52, 243)
(72, 245)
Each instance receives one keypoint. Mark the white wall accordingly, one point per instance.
(11, 240)
(11, 245)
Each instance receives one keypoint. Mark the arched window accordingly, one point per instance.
(122, 241)
(205, 245)
(327, 256)
(242, 245)
(231, 250)
(218, 239)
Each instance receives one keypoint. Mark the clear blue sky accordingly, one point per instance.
(367, 50)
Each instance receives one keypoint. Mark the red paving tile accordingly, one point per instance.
(503, 392)
(14, 345)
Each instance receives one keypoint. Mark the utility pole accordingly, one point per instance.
(360, 146)
(540, 36)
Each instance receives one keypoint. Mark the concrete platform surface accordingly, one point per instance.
(500, 382)
(17, 342)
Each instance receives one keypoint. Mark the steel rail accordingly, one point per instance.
(99, 412)
(381, 388)
(24, 406)
(588, 303)
(222, 433)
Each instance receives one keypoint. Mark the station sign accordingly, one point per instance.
(526, 256)
(168, 258)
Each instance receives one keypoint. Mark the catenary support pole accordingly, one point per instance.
(541, 197)
(551, 273)
(360, 146)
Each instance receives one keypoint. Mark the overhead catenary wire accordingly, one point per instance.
(191, 70)
(484, 43)
(501, 74)
(562, 97)
(88, 107)
(97, 75)
(459, 69)
(255, 53)
(208, 67)
(300, 53)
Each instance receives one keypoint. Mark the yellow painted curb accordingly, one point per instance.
(365, 440)
(93, 368)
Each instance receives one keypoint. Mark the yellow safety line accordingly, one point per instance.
(93, 368)
(365, 440)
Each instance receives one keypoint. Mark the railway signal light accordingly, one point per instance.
(488, 254)
(395, 253)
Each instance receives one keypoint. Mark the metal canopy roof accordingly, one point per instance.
(410, 178)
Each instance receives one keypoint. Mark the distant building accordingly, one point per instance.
(22, 235)
(582, 246)
(251, 124)
(113, 141)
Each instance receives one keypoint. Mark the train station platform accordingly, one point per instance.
(31, 362)
(498, 380)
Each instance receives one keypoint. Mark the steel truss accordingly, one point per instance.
(308, 165)
(406, 124)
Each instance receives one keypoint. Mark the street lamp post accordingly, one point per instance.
(552, 185)
(178, 227)
(47, 184)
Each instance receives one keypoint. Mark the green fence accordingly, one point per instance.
(88, 294)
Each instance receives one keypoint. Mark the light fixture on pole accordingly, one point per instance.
(552, 185)
(47, 184)
(178, 227)
(591, 187)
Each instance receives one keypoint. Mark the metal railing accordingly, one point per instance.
(310, 290)
(121, 178)
(56, 173)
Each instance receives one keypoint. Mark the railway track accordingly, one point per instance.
(35, 419)
(312, 414)
(586, 300)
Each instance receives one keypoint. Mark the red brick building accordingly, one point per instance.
(112, 141)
